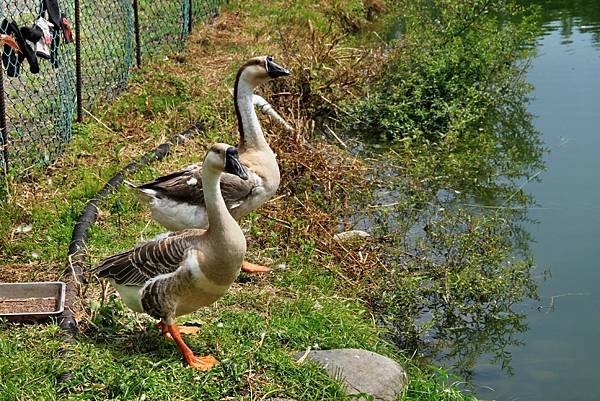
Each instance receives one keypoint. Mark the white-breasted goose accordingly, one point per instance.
(177, 201)
(186, 270)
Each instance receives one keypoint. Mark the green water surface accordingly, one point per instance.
(559, 359)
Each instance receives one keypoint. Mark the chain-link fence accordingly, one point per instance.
(40, 83)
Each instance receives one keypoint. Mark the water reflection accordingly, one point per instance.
(477, 331)
(569, 16)
(459, 254)
(558, 361)
(494, 333)
(439, 230)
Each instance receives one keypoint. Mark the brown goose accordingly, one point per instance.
(177, 200)
(185, 271)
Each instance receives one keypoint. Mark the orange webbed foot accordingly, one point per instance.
(203, 363)
(254, 268)
(189, 330)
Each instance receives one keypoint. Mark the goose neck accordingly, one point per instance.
(251, 135)
(219, 219)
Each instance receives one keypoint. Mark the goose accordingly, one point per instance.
(184, 271)
(177, 200)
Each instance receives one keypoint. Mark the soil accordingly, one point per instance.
(27, 305)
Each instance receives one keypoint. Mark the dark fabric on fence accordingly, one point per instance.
(39, 107)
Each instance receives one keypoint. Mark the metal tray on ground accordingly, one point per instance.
(31, 302)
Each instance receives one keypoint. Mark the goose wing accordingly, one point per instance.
(148, 260)
(235, 190)
(182, 186)
(186, 186)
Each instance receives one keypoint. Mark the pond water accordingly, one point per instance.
(558, 358)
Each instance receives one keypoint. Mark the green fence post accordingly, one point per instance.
(191, 15)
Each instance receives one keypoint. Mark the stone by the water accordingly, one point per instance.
(351, 235)
(363, 372)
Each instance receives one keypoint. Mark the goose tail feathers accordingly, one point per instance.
(130, 184)
(145, 194)
(115, 267)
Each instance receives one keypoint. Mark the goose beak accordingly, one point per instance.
(7, 39)
(275, 70)
(233, 165)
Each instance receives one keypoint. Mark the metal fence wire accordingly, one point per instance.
(40, 83)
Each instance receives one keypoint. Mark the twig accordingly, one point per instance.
(568, 294)
(282, 222)
(522, 185)
(338, 107)
(97, 120)
(335, 136)
(304, 356)
(384, 205)
(277, 198)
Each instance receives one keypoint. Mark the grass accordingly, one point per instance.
(118, 360)
(313, 300)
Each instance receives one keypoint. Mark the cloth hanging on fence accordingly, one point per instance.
(50, 8)
(10, 58)
(66, 26)
(59, 22)
(12, 61)
(42, 109)
(41, 46)
(53, 12)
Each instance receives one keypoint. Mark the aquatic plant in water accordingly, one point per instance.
(451, 113)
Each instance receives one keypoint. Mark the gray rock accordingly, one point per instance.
(363, 372)
(351, 235)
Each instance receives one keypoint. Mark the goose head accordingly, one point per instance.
(224, 158)
(259, 70)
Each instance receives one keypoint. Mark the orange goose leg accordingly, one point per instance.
(164, 330)
(190, 330)
(252, 268)
(203, 363)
